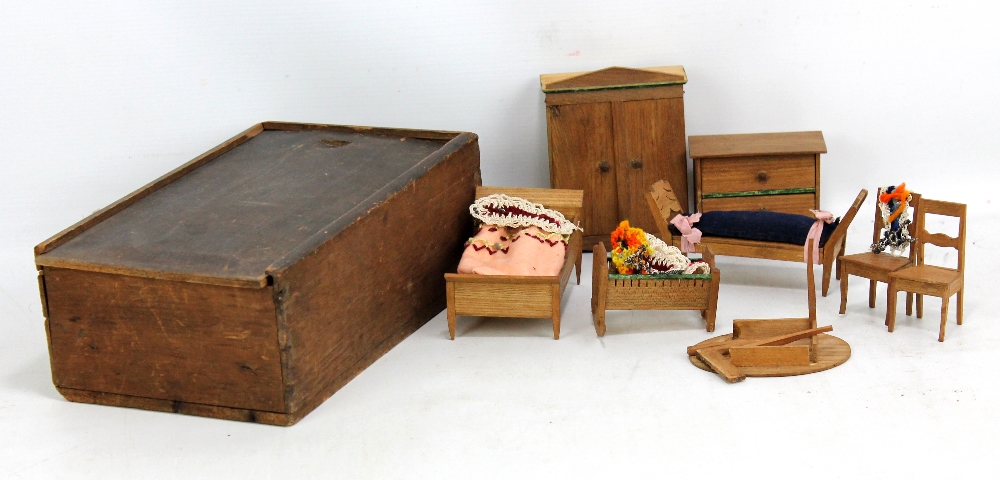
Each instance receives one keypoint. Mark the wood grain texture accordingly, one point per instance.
(617, 95)
(581, 146)
(768, 172)
(336, 317)
(233, 217)
(775, 356)
(744, 329)
(107, 212)
(714, 146)
(645, 139)
(174, 341)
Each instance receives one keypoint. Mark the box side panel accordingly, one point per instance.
(167, 340)
(362, 292)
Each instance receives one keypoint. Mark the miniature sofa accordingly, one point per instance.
(516, 295)
(768, 235)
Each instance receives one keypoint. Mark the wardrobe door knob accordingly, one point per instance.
(603, 166)
(636, 163)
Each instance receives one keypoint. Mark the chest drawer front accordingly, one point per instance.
(750, 174)
(800, 204)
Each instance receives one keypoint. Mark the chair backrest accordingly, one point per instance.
(664, 205)
(949, 209)
(912, 228)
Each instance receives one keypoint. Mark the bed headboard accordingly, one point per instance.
(567, 202)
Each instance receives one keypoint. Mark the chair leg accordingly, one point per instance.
(826, 278)
(872, 285)
(920, 306)
(909, 304)
(843, 289)
(944, 316)
(960, 306)
(890, 310)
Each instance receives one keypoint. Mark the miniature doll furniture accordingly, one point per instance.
(517, 295)
(876, 267)
(653, 292)
(923, 279)
(777, 172)
(773, 348)
(612, 133)
(767, 241)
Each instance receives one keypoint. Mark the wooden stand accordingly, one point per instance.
(515, 295)
(652, 294)
(773, 348)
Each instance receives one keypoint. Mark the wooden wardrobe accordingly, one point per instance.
(613, 133)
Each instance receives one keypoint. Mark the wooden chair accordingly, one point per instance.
(876, 267)
(923, 279)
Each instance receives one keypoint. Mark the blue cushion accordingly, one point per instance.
(760, 225)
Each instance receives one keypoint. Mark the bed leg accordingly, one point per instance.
(450, 294)
(556, 300)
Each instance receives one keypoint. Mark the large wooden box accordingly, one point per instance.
(258, 279)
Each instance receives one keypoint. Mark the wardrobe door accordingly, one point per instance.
(581, 156)
(650, 146)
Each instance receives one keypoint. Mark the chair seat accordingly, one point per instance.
(928, 279)
(888, 263)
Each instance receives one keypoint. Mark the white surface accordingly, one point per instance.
(96, 100)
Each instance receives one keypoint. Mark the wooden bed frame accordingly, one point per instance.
(653, 293)
(663, 201)
(519, 296)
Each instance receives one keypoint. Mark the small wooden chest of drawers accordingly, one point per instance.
(761, 171)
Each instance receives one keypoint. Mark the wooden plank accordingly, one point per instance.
(773, 356)
(582, 157)
(754, 329)
(613, 77)
(713, 146)
(770, 341)
(364, 130)
(649, 139)
(336, 317)
(180, 341)
(670, 296)
(504, 299)
(721, 365)
(97, 217)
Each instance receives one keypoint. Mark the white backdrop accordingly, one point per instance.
(98, 99)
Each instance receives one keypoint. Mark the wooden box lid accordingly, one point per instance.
(613, 77)
(747, 144)
(255, 204)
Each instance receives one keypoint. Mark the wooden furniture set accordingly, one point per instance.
(612, 133)
(657, 292)
(514, 295)
(258, 279)
(663, 198)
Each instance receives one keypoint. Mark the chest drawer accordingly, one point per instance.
(800, 204)
(751, 174)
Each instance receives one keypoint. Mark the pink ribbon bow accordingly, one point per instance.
(689, 235)
(815, 232)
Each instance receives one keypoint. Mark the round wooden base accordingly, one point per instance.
(830, 352)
